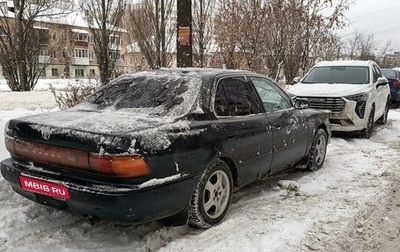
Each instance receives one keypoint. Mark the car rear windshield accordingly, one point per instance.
(390, 74)
(150, 93)
(338, 74)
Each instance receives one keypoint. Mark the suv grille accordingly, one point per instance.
(331, 103)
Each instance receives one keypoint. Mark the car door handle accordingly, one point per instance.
(232, 136)
(277, 126)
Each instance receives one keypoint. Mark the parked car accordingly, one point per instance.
(168, 143)
(393, 76)
(355, 92)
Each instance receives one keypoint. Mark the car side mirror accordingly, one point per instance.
(382, 81)
(301, 103)
(296, 80)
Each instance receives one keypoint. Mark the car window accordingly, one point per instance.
(338, 74)
(388, 73)
(236, 97)
(272, 97)
(154, 94)
(376, 73)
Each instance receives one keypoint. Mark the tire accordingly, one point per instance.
(213, 195)
(383, 119)
(317, 153)
(367, 132)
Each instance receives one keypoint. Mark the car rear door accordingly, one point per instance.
(247, 138)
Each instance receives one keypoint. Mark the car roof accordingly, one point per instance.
(345, 63)
(207, 71)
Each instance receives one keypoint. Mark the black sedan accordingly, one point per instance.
(168, 144)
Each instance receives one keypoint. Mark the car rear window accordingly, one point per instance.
(151, 93)
(338, 74)
(390, 74)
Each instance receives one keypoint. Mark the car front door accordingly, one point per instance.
(240, 114)
(287, 123)
(381, 93)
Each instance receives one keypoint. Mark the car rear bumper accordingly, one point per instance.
(116, 204)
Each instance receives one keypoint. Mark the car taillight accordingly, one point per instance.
(121, 166)
(127, 166)
(396, 83)
(10, 144)
(51, 155)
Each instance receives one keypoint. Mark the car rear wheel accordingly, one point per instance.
(212, 197)
(317, 154)
(383, 119)
(367, 132)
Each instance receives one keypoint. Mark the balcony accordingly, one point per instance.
(80, 61)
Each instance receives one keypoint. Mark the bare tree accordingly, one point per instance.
(269, 34)
(361, 46)
(298, 30)
(152, 26)
(333, 49)
(104, 18)
(203, 12)
(387, 59)
(22, 44)
(227, 22)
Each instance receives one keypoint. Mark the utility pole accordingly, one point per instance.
(184, 33)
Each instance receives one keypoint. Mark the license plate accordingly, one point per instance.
(45, 188)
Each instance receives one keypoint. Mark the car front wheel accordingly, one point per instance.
(317, 154)
(383, 119)
(212, 197)
(367, 132)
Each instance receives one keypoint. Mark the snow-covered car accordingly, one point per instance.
(168, 144)
(355, 92)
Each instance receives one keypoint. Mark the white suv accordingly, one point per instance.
(355, 92)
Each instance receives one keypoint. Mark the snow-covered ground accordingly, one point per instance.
(351, 204)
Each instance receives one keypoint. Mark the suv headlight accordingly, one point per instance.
(361, 100)
(358, 97)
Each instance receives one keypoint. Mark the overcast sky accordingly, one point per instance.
(380, 17)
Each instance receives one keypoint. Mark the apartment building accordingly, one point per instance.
(67, 48)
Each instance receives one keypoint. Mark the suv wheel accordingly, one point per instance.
(383, 119)
(367, 132)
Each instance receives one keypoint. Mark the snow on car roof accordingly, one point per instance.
(345, 63)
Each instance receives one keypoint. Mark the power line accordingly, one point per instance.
(378, 11)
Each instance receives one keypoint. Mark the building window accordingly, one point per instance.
(81, 53)
(115, 55)
(63, 37)
(79, 72)
(91, 56)
(114, 39)
(91, 40)
(81, 37)
(54, 72)
(92, 72)
(53, 36)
